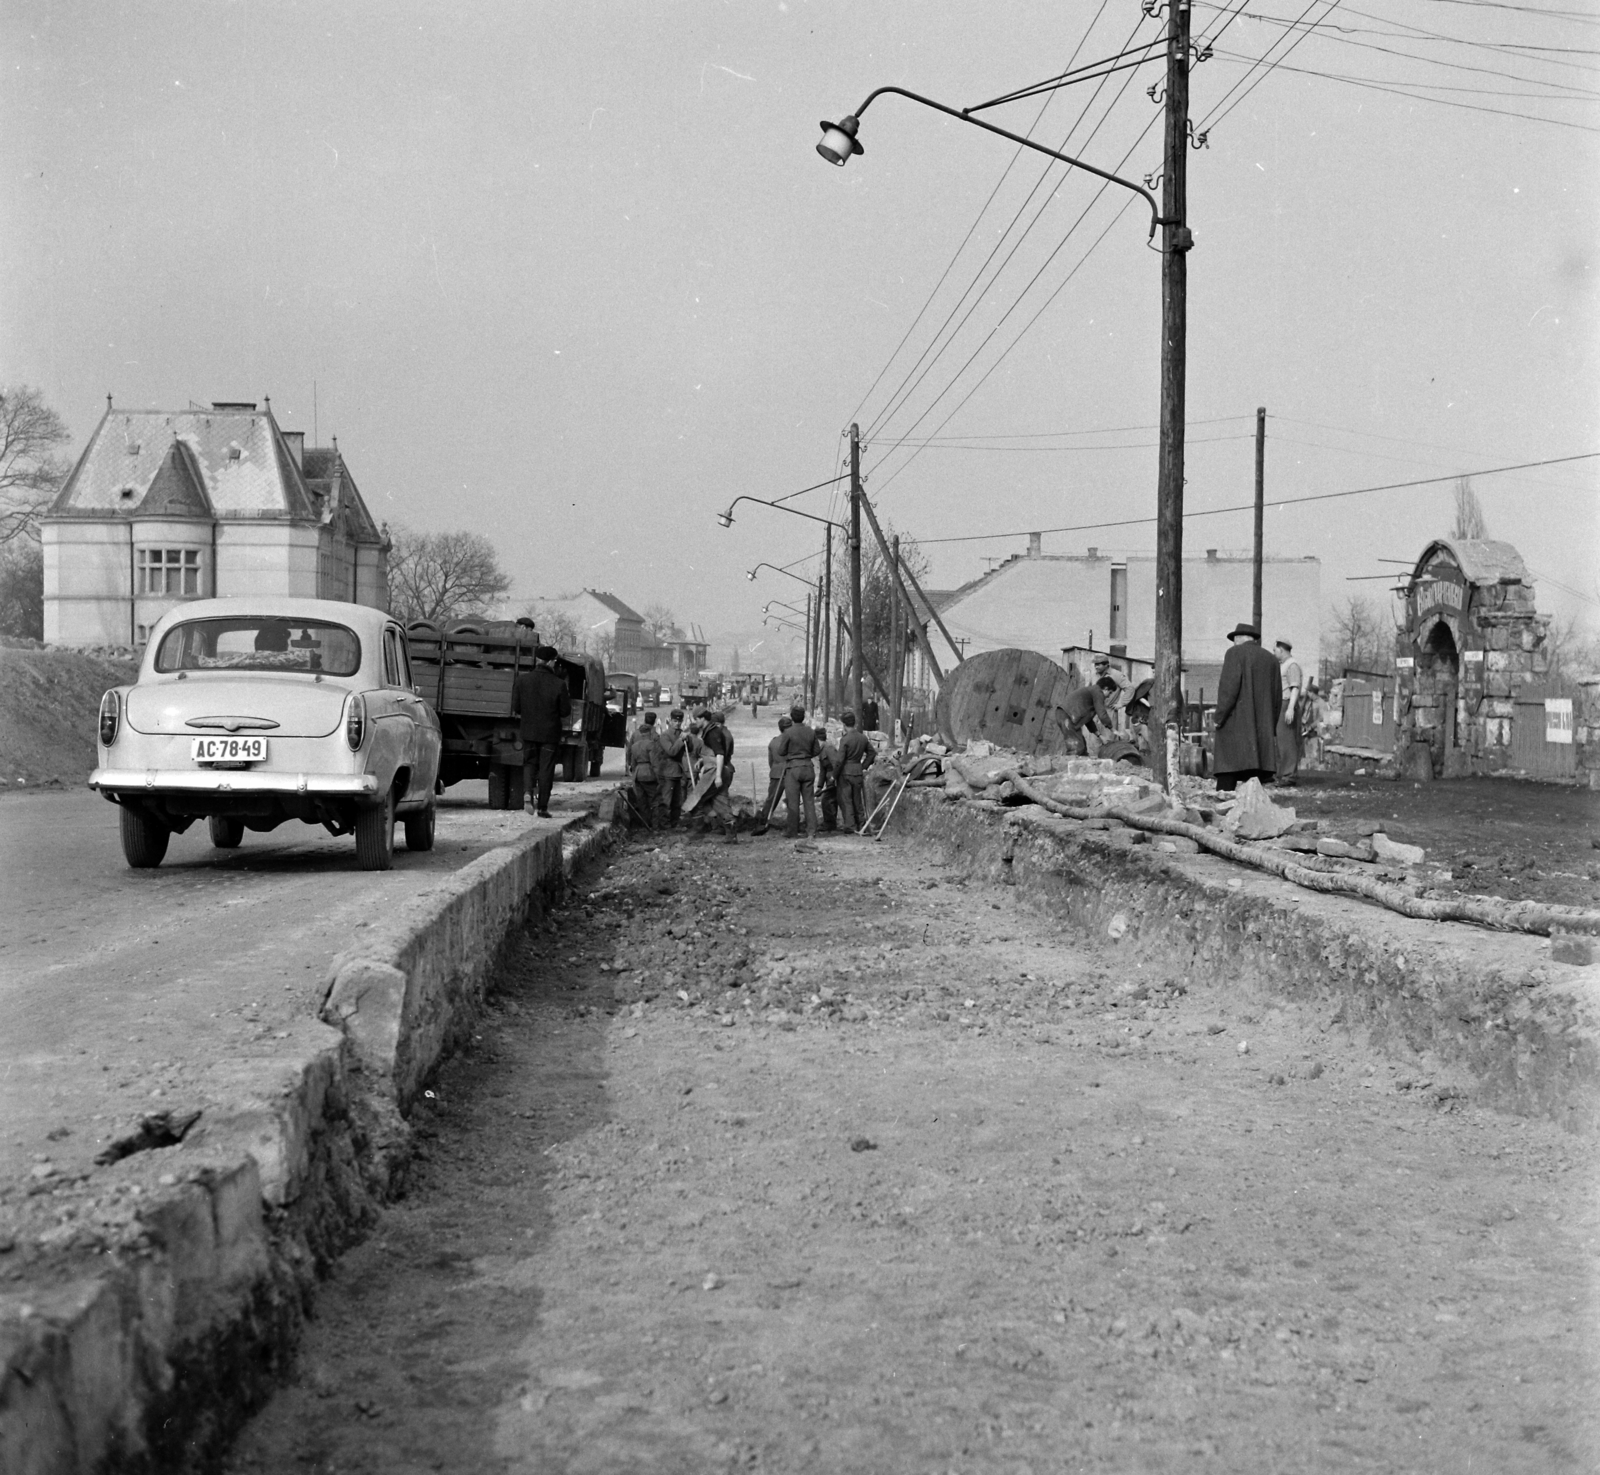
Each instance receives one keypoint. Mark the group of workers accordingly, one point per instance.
(665, 759)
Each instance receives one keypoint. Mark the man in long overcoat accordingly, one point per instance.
(539, 698)
(1249, 698)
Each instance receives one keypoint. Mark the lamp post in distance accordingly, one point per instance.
(840, 141)
(751, 573)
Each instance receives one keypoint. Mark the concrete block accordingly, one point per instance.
(1340, 850)
(1395, 853)
(1574, 948)
(1178, 845)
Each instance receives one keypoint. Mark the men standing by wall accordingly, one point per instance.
(801, 745)
(718, 742)
(539, 699)
(855, 753)
(1248, 702)
(672, 770)
(643, 757)
(1290, 680)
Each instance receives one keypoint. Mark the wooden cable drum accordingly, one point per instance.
(1006, 697)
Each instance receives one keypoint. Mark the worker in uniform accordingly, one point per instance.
(540, 701)
(718, 745)
(642, 756)
(1290, 681)
(672, 771)
(801, 745)
(775, 765)
(828, 782)
(1085, 706)
(855, 754)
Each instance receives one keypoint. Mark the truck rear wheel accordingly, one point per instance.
(572, 764)
(594, 765)
(144, 840)
(497, 786)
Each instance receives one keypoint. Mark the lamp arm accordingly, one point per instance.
(792, 511)
(966, 117)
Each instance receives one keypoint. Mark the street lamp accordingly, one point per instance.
(781, 605)
(751, 573)
(726, 518)
(839, 143)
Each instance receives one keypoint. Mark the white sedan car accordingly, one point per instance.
(250, 712)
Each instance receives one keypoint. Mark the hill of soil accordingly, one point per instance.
(49, 701)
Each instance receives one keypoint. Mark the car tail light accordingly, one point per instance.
(110, 718)
(355, 722)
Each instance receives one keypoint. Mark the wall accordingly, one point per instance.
(87, 583)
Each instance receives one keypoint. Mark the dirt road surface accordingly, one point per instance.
(786, 1158)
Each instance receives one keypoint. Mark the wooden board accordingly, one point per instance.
(1006, 697)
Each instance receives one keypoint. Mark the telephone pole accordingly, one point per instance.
(826, 614)
(855, 569)
(1261, 507)
(1175, 243)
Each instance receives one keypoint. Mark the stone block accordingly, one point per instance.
(1394, 853)
(1178, 845)
(1341, 850)
(1574, 948)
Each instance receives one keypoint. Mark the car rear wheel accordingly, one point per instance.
(375, 836)
(419, 829)
(144, 840)
(226, 833)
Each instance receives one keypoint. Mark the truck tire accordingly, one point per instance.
(226, 833)
(419, 829)
(144, 840)
(375, 836)
(594, 764)
(515, 792)
(572, 764)
(498, 776)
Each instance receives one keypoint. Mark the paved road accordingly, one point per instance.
(122, 990)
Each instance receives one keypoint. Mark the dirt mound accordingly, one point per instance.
(49, 700)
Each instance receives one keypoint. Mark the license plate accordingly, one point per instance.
(229, 750)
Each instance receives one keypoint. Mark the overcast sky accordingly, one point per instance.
(573, 275)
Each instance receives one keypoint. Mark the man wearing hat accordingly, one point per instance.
(1249, 699)
(1290, 679)
(539, 699)
(719, 749)
(1085, 706)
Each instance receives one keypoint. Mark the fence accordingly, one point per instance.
(1368, 715)
(1539, 714)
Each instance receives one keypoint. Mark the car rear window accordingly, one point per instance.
(260, 643)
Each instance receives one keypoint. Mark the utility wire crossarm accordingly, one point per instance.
(839, 142)
(751, 573)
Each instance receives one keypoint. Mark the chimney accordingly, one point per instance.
(297, 446)
(1094, 553)
(1211, 555)
(1035, 545)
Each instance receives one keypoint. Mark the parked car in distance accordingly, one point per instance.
(250, 712)
(649, 692)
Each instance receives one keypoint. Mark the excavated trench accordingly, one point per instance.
(837, 1157)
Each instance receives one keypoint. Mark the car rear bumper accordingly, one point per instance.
(231, 781)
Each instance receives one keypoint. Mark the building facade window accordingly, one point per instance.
(169, 571)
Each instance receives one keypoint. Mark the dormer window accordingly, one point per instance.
(127, 494)
(134, 448)
(234, 453)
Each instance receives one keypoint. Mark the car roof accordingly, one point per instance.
(361, 617)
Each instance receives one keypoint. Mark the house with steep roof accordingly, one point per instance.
(605, 625)
(164, 506)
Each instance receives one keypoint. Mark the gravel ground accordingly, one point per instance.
(821, 1158)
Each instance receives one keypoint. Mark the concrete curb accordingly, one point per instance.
(1521, 1032)
(152, 1360)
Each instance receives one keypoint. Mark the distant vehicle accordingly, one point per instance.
(467, 669)
(250, 712)
(693, 692)
(649, 692)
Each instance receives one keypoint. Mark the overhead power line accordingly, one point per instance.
(1393, 486)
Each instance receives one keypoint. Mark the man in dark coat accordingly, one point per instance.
(775, 767)
(1249, 698)
(643, 761)
(719, 750)
(539, 697)
(800, 746)
(855, 757)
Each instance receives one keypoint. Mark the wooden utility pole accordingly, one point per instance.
(897, 641)
(855, 569)
(1261, 507)
(901, 574)
(805, 674)
(1167, 706)
(826, 614)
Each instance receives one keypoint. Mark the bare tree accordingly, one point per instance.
(1358, 635)
(877, 593)
(1469, 523)
(1573, 648)
(30, 471)
(557, 627)
(660, 624)
(22, 589)
(442, 576)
